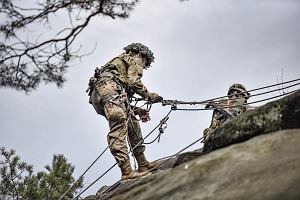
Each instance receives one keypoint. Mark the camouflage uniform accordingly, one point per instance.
(233, 105)
(119, 79)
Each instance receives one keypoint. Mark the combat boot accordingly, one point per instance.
(143, 164)
(128, 173)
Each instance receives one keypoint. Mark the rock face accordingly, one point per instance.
(266, 167)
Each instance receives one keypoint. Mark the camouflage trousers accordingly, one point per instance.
(114, 103)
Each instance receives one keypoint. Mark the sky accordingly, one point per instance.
(201, 48)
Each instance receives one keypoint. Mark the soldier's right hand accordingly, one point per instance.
(154, 98)
(144, 115)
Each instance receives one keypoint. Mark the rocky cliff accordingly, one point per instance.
(254, 156)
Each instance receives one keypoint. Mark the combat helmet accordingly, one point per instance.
(140, 48)
(239, 88)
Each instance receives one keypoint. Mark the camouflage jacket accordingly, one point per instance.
(232, 106)
(128, 71)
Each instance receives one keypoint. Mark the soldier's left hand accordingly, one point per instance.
(154, 97)
(144, 115)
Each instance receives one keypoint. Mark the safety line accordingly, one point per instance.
(287, 93)
(270, 91)
(185, 148)
(96, 180)
(214, 99)
(84, 172)
(153, 139)
(268, 86)
(222, 107)
(274, 90)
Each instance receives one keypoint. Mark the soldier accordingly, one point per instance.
(110, 90)
(226, 109)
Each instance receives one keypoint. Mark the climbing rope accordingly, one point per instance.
(223, 107)
(204, 102)
(66, 192)
(280, 89)
(256, 89)
(176, 154)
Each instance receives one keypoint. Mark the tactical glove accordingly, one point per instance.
(144, 115)
(209, 104)
(154, 98)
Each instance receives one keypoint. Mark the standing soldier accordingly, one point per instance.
(226, 109)
(110, 90)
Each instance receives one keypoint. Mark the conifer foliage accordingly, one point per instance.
(17, 180)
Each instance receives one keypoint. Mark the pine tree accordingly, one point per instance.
(58, 179)
(17, 180)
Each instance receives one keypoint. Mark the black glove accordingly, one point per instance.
(210, 104)
(144, 115)
(154, 98)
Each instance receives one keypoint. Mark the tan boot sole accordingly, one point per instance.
(151, 166)
(134, 175)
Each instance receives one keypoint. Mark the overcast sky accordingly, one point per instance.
(201, 47)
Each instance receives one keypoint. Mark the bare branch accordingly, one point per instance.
(24, 64)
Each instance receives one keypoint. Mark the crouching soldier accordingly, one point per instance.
(110, 90)
(226, 109)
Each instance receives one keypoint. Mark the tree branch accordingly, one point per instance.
(24, 64)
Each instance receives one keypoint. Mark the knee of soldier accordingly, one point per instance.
(119, 148)
(116, 146)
